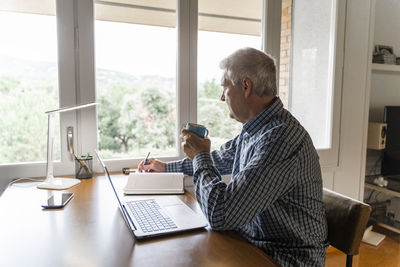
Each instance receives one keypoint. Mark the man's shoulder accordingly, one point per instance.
(283, 127)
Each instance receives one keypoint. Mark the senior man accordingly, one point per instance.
(274, 198)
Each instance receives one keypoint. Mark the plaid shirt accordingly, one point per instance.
(274, 198)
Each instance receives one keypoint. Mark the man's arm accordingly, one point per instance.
(264, 179)
(185, 166)
(222, 160)
(224, 157)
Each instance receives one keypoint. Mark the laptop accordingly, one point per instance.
(147, 217)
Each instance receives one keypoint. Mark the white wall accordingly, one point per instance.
(385, 91)
(348, 177)
(387, 23)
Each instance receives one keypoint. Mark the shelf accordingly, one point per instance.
(387, 223)
(385, 67)
(382, 189)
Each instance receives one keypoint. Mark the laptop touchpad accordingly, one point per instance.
(170, 201)
(182, 215)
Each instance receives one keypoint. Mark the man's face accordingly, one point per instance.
(233, 96)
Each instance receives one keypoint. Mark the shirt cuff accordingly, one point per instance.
(201, 161)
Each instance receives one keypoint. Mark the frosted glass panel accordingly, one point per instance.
(312, 67)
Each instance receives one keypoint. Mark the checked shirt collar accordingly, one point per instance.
(256, 123)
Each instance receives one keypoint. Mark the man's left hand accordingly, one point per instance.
(192, 144)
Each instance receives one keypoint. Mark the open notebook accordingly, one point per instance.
(154, 183)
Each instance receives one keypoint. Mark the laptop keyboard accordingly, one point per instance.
(150, 216)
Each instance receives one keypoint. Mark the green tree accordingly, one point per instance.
(142, 119)
(160, 120)
(114, 129)
(210, 90)
(23, 102)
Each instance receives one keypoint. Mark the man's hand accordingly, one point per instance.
(152, 165)
(192, 144)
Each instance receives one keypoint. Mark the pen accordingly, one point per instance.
(145, 160)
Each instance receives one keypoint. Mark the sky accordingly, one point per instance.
(26, 36)
(135, 49)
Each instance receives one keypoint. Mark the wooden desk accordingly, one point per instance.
(90, 231)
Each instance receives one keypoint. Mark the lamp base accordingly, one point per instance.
(58, 183)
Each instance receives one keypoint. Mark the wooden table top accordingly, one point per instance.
(90, 231)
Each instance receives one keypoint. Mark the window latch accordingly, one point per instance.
(70, 139)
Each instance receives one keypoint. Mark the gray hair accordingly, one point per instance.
(254, 64)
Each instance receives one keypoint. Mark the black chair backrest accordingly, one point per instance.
(347, 219)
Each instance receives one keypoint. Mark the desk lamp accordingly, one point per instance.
(51, 182)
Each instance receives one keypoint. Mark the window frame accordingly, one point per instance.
(75, 25)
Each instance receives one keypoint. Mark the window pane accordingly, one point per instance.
(312, 67)
(221, 32)
(28, 82)
(136, 78)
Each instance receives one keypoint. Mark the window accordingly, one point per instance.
(28, 81)
(313, 43)
(136, 78)
(153, 66)
(221, 32)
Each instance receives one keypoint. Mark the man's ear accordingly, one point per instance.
(247, 86)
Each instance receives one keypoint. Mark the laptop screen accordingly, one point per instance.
(109, 178)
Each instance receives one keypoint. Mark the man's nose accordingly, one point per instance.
(223, 96)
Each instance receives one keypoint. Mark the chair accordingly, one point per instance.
(347, 219)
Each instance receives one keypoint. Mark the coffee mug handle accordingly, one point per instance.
(206, 133)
